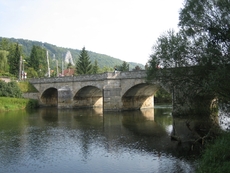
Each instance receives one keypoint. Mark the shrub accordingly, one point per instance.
(10, 89)
(216, 157)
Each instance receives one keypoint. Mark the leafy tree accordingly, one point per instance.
(106, 69)
(3, 61)
(95, 67)
(83, 64)
(207, 24)
(203, 41)
(31, 73)
(162, 96)
(5, 44)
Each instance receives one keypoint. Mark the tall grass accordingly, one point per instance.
(216, 157)
(25, 87)
(8, 103)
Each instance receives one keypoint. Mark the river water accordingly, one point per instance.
(49, 140)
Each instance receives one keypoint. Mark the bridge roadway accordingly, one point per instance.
(111, 91)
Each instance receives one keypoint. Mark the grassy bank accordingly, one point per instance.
(8, 103)
(216, 157)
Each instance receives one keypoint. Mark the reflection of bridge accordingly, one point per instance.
(112, 91)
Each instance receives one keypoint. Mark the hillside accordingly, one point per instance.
(59, 52)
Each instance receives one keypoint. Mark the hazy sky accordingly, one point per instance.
(124, 29)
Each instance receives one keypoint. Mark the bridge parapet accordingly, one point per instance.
(94, 77)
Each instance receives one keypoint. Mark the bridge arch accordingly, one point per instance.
(139, 96)
(88, 97)
(49, 97)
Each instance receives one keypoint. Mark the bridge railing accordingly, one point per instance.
(92, 77)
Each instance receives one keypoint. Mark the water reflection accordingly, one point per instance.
(88, 140)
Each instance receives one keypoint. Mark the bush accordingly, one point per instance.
(10, 89)
(32, 104)
(216, 157)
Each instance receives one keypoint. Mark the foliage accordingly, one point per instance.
(162, 96)
(106, 69)
(207, 24)
(123, 67)
(15, 53)
(7, 103)
(9, 89)
(216, 156)
(203, 44)
(95, 67)
(83, 65)
(38, 61)
(26, 87)
(5, 44)
(59, 52)
(4, 67)
(31, 73)
(137, 68)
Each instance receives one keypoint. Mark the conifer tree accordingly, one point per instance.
(14, 59)
(83, 64)
(95, 67)
(37, 60)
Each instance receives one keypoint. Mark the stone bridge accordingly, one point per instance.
(112, 91)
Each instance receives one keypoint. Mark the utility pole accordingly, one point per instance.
(47, 55)
(62, 67)
(20, 69)
(56, 64)
(57, 67)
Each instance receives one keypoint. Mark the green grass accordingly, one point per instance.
(8, 103)
(25, 87)
(216, 157)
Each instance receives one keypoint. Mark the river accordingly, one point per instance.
(49, 140)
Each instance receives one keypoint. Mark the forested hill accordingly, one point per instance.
(59, 52)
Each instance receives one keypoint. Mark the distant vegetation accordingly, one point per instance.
(11, 96)
(104, 61)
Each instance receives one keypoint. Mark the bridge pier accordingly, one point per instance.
(112, 99)
(186, 104)
(65, 97)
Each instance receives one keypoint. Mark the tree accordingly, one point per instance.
(38, 60)
(203, 41)
(83, 64)
(123, 67)
(5, 44)
(3, 61)
(106, 69)
(15, 52)
(95, 67)
(207, 24)
(137, 68)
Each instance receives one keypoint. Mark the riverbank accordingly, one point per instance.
(12, 104)
(216, 156)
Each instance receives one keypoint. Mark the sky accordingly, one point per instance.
(123, 29)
